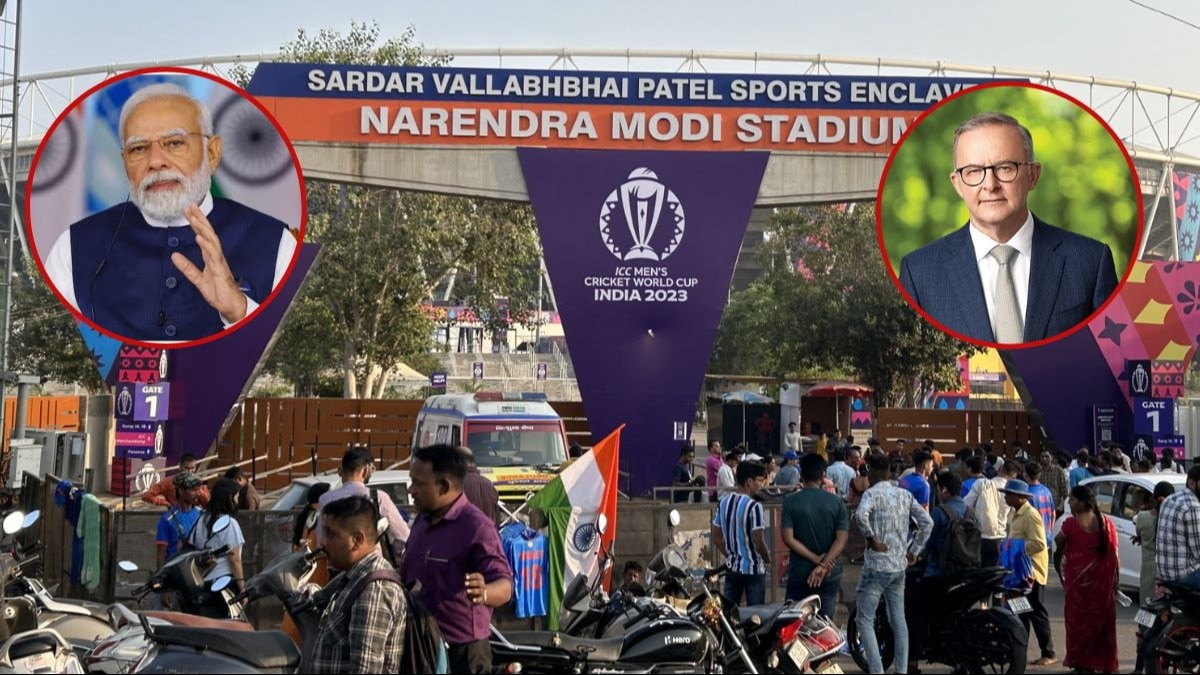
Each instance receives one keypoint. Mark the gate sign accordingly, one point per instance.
(151, 402)
(1155, 416)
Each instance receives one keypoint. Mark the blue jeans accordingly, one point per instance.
(798, 589)
(1192, 580)
(871, 587)
(752, 585)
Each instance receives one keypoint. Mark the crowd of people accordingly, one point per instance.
(904, 507)
(449, 559)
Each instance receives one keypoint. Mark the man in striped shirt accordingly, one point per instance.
(738, 531)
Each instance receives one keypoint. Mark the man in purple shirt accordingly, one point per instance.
(713, 465)
(454, 562)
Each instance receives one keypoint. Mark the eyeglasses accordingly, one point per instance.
(1005, 172)
(175, 145)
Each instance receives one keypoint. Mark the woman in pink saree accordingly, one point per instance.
(1085, 555)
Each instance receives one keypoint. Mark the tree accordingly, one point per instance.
(385, 251)
(44, 338)
(825, 307)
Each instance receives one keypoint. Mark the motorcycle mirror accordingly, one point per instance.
(221, 583)
(127, 566)
(13, 522)
(673, 517)
(602, 523)
(311, 521)
(31, 518)
(382, 525)
(221, 524)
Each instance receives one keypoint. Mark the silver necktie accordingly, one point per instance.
(1010, 325)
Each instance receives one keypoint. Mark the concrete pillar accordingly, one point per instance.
(98, 425)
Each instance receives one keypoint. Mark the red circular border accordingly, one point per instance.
(1017, 345)
(154, 71)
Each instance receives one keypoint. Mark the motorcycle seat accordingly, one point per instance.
(764, 612)
(605, 650)
(266, 650)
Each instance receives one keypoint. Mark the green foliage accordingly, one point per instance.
(45, 340)
(1086, 185)
(384, 252)
(838, 316)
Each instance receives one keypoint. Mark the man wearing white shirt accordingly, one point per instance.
(726, 478)
(841, 474)
(172, 263)
(793, 438)
(981, 280)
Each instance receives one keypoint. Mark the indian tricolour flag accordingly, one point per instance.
(573, 502)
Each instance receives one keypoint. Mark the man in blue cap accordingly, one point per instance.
(789, 473)
(1026, 524)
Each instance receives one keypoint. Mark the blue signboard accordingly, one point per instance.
(1155, 416)
(438, 379)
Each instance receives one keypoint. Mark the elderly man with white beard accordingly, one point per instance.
(173, 263)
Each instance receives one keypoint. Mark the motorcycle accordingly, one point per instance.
(1171, 643)
(27, 647)
(591, 613)
(952, 621)
(144, 644)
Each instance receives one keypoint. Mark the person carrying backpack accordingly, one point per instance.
(954, 545)
(363, 623)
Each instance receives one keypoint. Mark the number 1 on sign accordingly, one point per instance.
(1153, 415)
(152, 405)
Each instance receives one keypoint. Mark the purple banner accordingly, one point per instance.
(208, 380)
(640, 248)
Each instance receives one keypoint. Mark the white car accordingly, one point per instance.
(394, 483)
(1121, 496)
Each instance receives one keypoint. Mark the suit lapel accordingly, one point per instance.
(962, 279)
(1045, 274)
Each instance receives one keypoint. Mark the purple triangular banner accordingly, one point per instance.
(209, 380)
(640, 248)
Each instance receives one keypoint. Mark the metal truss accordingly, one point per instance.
(1157, 124)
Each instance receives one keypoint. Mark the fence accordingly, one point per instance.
(953, 429)
(285, 438)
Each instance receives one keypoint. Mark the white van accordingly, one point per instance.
(518, 439)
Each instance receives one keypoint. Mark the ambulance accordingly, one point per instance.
(518, 439)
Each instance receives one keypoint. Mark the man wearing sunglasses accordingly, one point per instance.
(1006, 276)
(173, 263)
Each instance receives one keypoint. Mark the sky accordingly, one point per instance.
(1105, 38)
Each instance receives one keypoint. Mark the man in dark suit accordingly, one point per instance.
(1006, 276)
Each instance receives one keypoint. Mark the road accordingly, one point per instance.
(1126, 640)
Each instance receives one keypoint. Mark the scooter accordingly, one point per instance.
(79, 622)
(154, 646)
(26, 647)
(184, 575)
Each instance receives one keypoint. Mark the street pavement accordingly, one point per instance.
(1126, 639)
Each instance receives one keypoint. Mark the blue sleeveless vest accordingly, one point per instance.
(135, 290)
